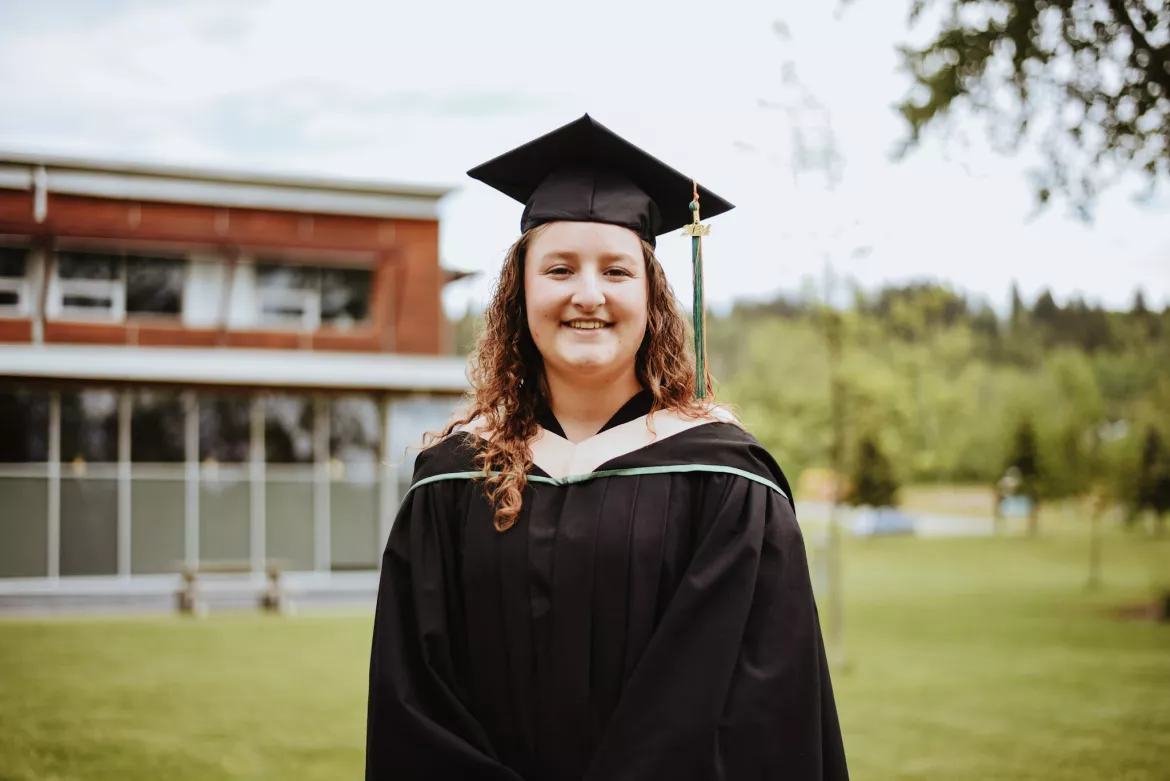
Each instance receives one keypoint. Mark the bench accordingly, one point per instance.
(191, 598)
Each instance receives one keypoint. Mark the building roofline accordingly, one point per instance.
(222, 175)
(228, 367)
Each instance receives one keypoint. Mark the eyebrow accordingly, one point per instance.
(569, 255)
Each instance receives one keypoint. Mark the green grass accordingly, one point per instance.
(987, 659)
(965, 659)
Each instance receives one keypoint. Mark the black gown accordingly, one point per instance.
(629, 627)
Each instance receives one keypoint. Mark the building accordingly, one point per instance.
(202, 367)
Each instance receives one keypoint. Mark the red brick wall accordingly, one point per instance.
(405, 309)
(15, 331)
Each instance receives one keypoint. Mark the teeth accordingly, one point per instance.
(586, 325)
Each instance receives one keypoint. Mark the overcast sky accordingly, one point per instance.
(420, 92)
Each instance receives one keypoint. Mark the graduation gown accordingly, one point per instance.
(650, 618)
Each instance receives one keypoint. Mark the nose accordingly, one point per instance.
(588, 294)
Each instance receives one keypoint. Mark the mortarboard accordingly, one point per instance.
(584, 172)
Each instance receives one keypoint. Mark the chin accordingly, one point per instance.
(585, 363)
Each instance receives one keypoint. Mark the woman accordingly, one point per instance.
(626, 596)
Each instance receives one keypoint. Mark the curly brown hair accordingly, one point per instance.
(508, 386)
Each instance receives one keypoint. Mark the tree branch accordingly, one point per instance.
(1158, 57)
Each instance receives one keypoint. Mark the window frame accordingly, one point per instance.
(113, 289)
(21, 285)
(308, 299)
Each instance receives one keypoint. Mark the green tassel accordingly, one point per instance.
(699, 316)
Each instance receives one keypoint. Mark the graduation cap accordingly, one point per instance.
(584, 172)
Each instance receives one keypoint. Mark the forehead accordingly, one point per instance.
(586, 239)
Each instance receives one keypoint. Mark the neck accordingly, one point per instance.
(583, 406)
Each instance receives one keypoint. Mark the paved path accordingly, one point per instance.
(925, 524)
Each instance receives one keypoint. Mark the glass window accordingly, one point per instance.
(89, 286)
(288, 295)
(158, 507)
(224, 429)
(353, 430)
(288, 430)
(158, 428)
(308, 297)
(14, 293)
(286, 277)
(24, 425)
(89, 525)
(24, 526)
(89, 299)
(224, 513)
(89, 426)
(13, 261)
(154, 286)
(345, 297)
(410, 419)
(88, 265)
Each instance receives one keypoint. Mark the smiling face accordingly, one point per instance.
(585, 292)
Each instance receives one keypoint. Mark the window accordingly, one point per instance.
(89, 426)
(14, 289)
(154, 286)
(89, 287)
(288, 430)
(307, 298)
(24, 425)
(111, 286)
(224, 429)
(345, 297)
(288, 295)
(354, 430)
(158, 428)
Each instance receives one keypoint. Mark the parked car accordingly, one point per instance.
(881, 521)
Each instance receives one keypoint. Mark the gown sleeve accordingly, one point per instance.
(734, 684)
(418, 726)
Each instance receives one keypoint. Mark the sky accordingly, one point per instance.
(421, 92)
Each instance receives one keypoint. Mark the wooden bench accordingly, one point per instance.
(191, 599)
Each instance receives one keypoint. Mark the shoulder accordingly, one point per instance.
(733, 445)
(454, 453)
(719, 441)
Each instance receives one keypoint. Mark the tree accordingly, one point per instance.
(874, 484)
(1019, 310)
(1153, 480)
(1145, 321)
(1045, 311)
(1139, 308)
(1087, 80)
(1025, 459)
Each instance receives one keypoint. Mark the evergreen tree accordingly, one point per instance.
(1146, 322)
(1139, 304)
(1153, 481)
(1045, 311)
(874, 484)
(1025, 458)
(1019, 311)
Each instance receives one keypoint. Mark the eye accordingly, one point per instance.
(617, 271)
(558, 271)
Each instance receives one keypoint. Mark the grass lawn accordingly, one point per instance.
(965, 659)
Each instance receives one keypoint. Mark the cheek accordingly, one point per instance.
(540, 307)
(634, 302)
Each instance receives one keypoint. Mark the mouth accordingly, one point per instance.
(586, 325)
